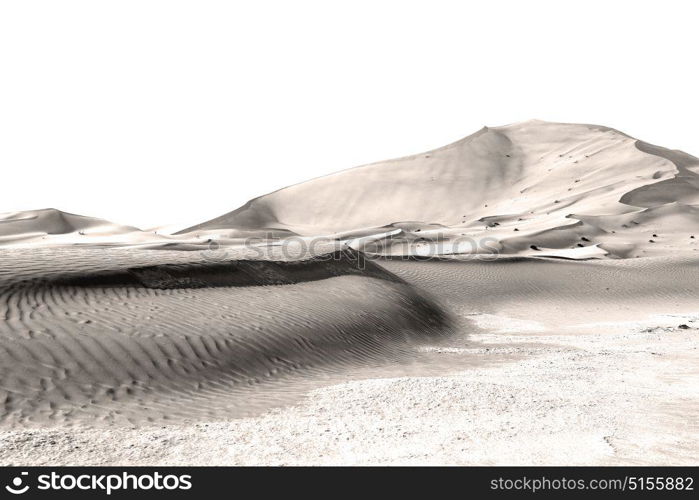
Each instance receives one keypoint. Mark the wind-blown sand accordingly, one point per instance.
(577, 191)
(601, 374)
(176, 341)
(119, 346)
(53, 227)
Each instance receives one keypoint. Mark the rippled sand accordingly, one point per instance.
(126, 356)
(89, 342)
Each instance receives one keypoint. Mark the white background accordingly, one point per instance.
(152, 113)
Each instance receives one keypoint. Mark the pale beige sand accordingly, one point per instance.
(532, 188)
(121, 346)
(577, 191)
(551, 362)
(90, 340)
(53, 227)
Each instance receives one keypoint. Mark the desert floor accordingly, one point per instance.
(543, 361)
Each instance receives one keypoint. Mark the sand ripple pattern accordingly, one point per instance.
(126, 345)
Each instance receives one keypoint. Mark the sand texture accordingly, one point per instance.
(568, 334)
(583, 190)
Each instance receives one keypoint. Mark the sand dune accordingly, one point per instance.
(178, 341)
(601, 374)
(531, 188)
(53, 227)
(514, 357)
(522, 185)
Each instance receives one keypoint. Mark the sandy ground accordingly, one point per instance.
(123, 346)
(526, 380)
(622, 398)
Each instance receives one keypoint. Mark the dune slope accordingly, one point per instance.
(530, 187)
(179, 341)
(51, 226)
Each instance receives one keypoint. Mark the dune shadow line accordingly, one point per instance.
(235, 273)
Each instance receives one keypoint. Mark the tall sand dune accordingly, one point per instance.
(518, 358)
(526, 187)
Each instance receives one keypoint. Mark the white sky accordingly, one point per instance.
(169, 112)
